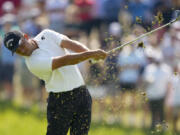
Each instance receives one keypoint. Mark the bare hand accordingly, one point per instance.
(100, 54)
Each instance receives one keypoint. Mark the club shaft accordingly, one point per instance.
(140, 37)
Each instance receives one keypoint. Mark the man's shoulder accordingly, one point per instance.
(49, 33)
(42, 35)
(45, 31)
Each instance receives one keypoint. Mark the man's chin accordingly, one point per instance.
(29, 54)
(23, 54)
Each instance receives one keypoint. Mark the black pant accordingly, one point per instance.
(69, 110)
(157, 110)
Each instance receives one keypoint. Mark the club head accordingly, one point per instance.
(177, 14)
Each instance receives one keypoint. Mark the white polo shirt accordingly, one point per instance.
(40, 63)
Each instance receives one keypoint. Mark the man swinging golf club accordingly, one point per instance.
(47, 56)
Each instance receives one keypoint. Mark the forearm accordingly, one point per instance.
(71, 59)
(79, 47)
(73, 45)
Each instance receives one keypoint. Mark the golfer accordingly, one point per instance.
(47, 56)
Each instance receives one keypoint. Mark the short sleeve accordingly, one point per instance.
(40, 67)
(54, 36)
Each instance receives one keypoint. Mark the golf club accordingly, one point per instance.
(177, 14)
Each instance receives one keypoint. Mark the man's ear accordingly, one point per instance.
(26, 36)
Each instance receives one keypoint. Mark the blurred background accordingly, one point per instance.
(135, 90)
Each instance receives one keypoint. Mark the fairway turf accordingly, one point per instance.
(16, 120)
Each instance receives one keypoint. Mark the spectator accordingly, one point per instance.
(56, 13)
(176, 3)
(176, 93)
(98, 13)
(72, 21)
(111, 10)
(29, 4)
(129, 66)
(139, 10)
(85, 13)
(30, 25)
(165, 8)
(9, 6)
(157, 78)
(95, 69)
(28, 83)
(7, 59)
(150, 3)
(125, 19)
(170, 44)
(115, 32)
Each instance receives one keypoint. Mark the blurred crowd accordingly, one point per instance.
(152, 65)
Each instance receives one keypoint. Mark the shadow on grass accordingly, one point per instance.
(33, 111)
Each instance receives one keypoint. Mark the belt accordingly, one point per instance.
(80, 88)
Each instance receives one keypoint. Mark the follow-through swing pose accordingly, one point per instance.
(47, 56)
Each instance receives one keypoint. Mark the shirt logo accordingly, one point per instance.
(42, 37)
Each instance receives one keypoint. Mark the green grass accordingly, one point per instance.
(15, 120)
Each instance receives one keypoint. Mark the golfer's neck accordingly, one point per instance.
(34, 45)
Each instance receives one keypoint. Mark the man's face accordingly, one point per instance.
(24, 48)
